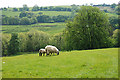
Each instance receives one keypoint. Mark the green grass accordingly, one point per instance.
(54, 13)
(10, 13)
(49, 13)
(74, 64)
(53, 28)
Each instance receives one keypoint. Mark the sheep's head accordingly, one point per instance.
(58, 53)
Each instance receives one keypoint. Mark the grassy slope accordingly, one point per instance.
(75, 64)
(59, 27)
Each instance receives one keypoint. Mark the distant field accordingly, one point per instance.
(100, 63)
(55, 13)
(10, 13)
(50, 13)
(112, 14)
(51, 28)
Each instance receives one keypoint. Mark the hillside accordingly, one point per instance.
(51, 28)
(100, 63)
(56, 28)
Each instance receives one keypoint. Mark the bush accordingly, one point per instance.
(36, 40)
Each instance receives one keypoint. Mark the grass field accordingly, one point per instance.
(51, 28)
(100, 63)
(50, 13)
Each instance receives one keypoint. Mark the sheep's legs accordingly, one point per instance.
(40, 54)
(43, 54)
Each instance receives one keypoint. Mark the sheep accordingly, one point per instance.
(51, 49)
(42, 51)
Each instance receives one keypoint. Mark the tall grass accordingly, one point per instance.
(100, 63)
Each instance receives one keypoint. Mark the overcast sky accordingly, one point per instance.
(31, 3)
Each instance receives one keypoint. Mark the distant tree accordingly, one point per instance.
(91, 4)
(15, 9)
(36, 40)
(20, 9)
(5, 20)
(114, 21)
(5, 9)
(43, 18)
(60, 18)
(25, 7)
(33, 20)
(113, 5)
(116, 37)
(35, 8)
(5, 43)
(23, 14)
(41, 8)
(13, 21)
(25, 21)
(13, 46)
(117, 9)
(50, 8)
(45, 8)
(40, 13)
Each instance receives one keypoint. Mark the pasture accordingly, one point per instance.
(100, 63)
(51, 28)
(49, 13)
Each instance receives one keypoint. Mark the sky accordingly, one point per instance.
(31, 3)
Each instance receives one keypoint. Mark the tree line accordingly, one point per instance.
(27, 18)
(37, 8)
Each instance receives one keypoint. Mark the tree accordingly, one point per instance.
(25, 7)
(88, 30)
(113, 5)
(116, 37)
(114, 21)
(13, 46)
(15, 9)
(35, 8)
(5, 43)
(20, 9)
(60, 18)
(33, 20)
(117, 9)
(5, 9)
(5, 20)
(13, 21)
(43, 18)
(23, 14)
(25, 21)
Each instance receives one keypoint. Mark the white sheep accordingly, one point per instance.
(42, 51)
(51, 49)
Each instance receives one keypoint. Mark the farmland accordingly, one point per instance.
(51, 28)
(87, 48)
(74, 64)
(50, 13)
